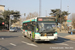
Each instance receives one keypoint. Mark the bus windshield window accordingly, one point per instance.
(12, 27)
(45, 27)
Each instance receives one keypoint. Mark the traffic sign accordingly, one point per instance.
(69, 21)
(3, 23)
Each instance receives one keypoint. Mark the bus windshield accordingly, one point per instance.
(12, 27)
(47, 27)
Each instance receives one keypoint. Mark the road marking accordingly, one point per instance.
(12, 44)
(62, 44)
(30, 44)
(2, 38)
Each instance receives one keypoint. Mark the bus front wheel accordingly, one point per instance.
(24, 35)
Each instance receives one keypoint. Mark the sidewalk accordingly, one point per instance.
(62, 31)
(71, 37)
(4, 30)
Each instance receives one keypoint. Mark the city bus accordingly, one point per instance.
(40, 28)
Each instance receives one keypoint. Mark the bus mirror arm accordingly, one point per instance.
(57, 23)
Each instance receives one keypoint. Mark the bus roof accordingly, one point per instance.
(35, 18)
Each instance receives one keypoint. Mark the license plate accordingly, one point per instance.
(46, 39)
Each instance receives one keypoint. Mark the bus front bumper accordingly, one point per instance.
(48, 38)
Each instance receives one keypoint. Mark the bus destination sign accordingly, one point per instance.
(46, 19)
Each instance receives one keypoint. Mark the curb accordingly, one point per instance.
(70, 38)
(62, 31)
(4, 31)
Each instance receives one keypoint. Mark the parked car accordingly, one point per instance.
(73, 31)
(18, 28)
(13, 29)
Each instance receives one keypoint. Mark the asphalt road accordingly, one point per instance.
(15, 41)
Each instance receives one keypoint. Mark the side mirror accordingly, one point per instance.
(33, 24)
(57, 23)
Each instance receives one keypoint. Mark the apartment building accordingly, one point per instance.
(1, 10)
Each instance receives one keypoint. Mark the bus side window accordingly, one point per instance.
(32, 28)
(23, 26)
(29, 28)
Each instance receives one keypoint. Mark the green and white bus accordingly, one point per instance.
(40, 28)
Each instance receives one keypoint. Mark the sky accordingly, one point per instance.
(31, 6)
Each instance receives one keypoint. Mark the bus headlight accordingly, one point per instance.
(37, 35)
(55, 34)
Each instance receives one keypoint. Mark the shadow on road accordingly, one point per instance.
(8, 36)
(60, 40)
(3, 48)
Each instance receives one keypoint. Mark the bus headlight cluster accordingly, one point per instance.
(55, 34)
(37, 36)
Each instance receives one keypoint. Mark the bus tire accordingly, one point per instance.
(32, 40)
(24, 36)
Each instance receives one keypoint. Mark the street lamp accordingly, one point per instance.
(60, 4)
(46, 13)
(39, 7)
(25, 15)
(68, 8)
(60, 12)
(10, 17)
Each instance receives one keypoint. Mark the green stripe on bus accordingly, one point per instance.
(37, 33)
(28, 21)
(55, 33)
(35, 20)
(26, 30)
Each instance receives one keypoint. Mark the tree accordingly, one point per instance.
(1, 21)
(32, 15)
(73, 20)
(7, 13)
(59, 14)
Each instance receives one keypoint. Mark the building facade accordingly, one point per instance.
(1, 10)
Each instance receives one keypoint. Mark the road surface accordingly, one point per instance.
(15, 41)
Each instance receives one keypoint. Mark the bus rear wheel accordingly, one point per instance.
(31, 38)
(24, 36)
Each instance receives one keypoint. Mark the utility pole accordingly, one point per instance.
(60, 12)
(46, 13)
(39, 7)
(25, 15)
(9, 19)
(68, 9)
(10, 16)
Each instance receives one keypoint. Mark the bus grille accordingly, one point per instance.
(47, 34)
